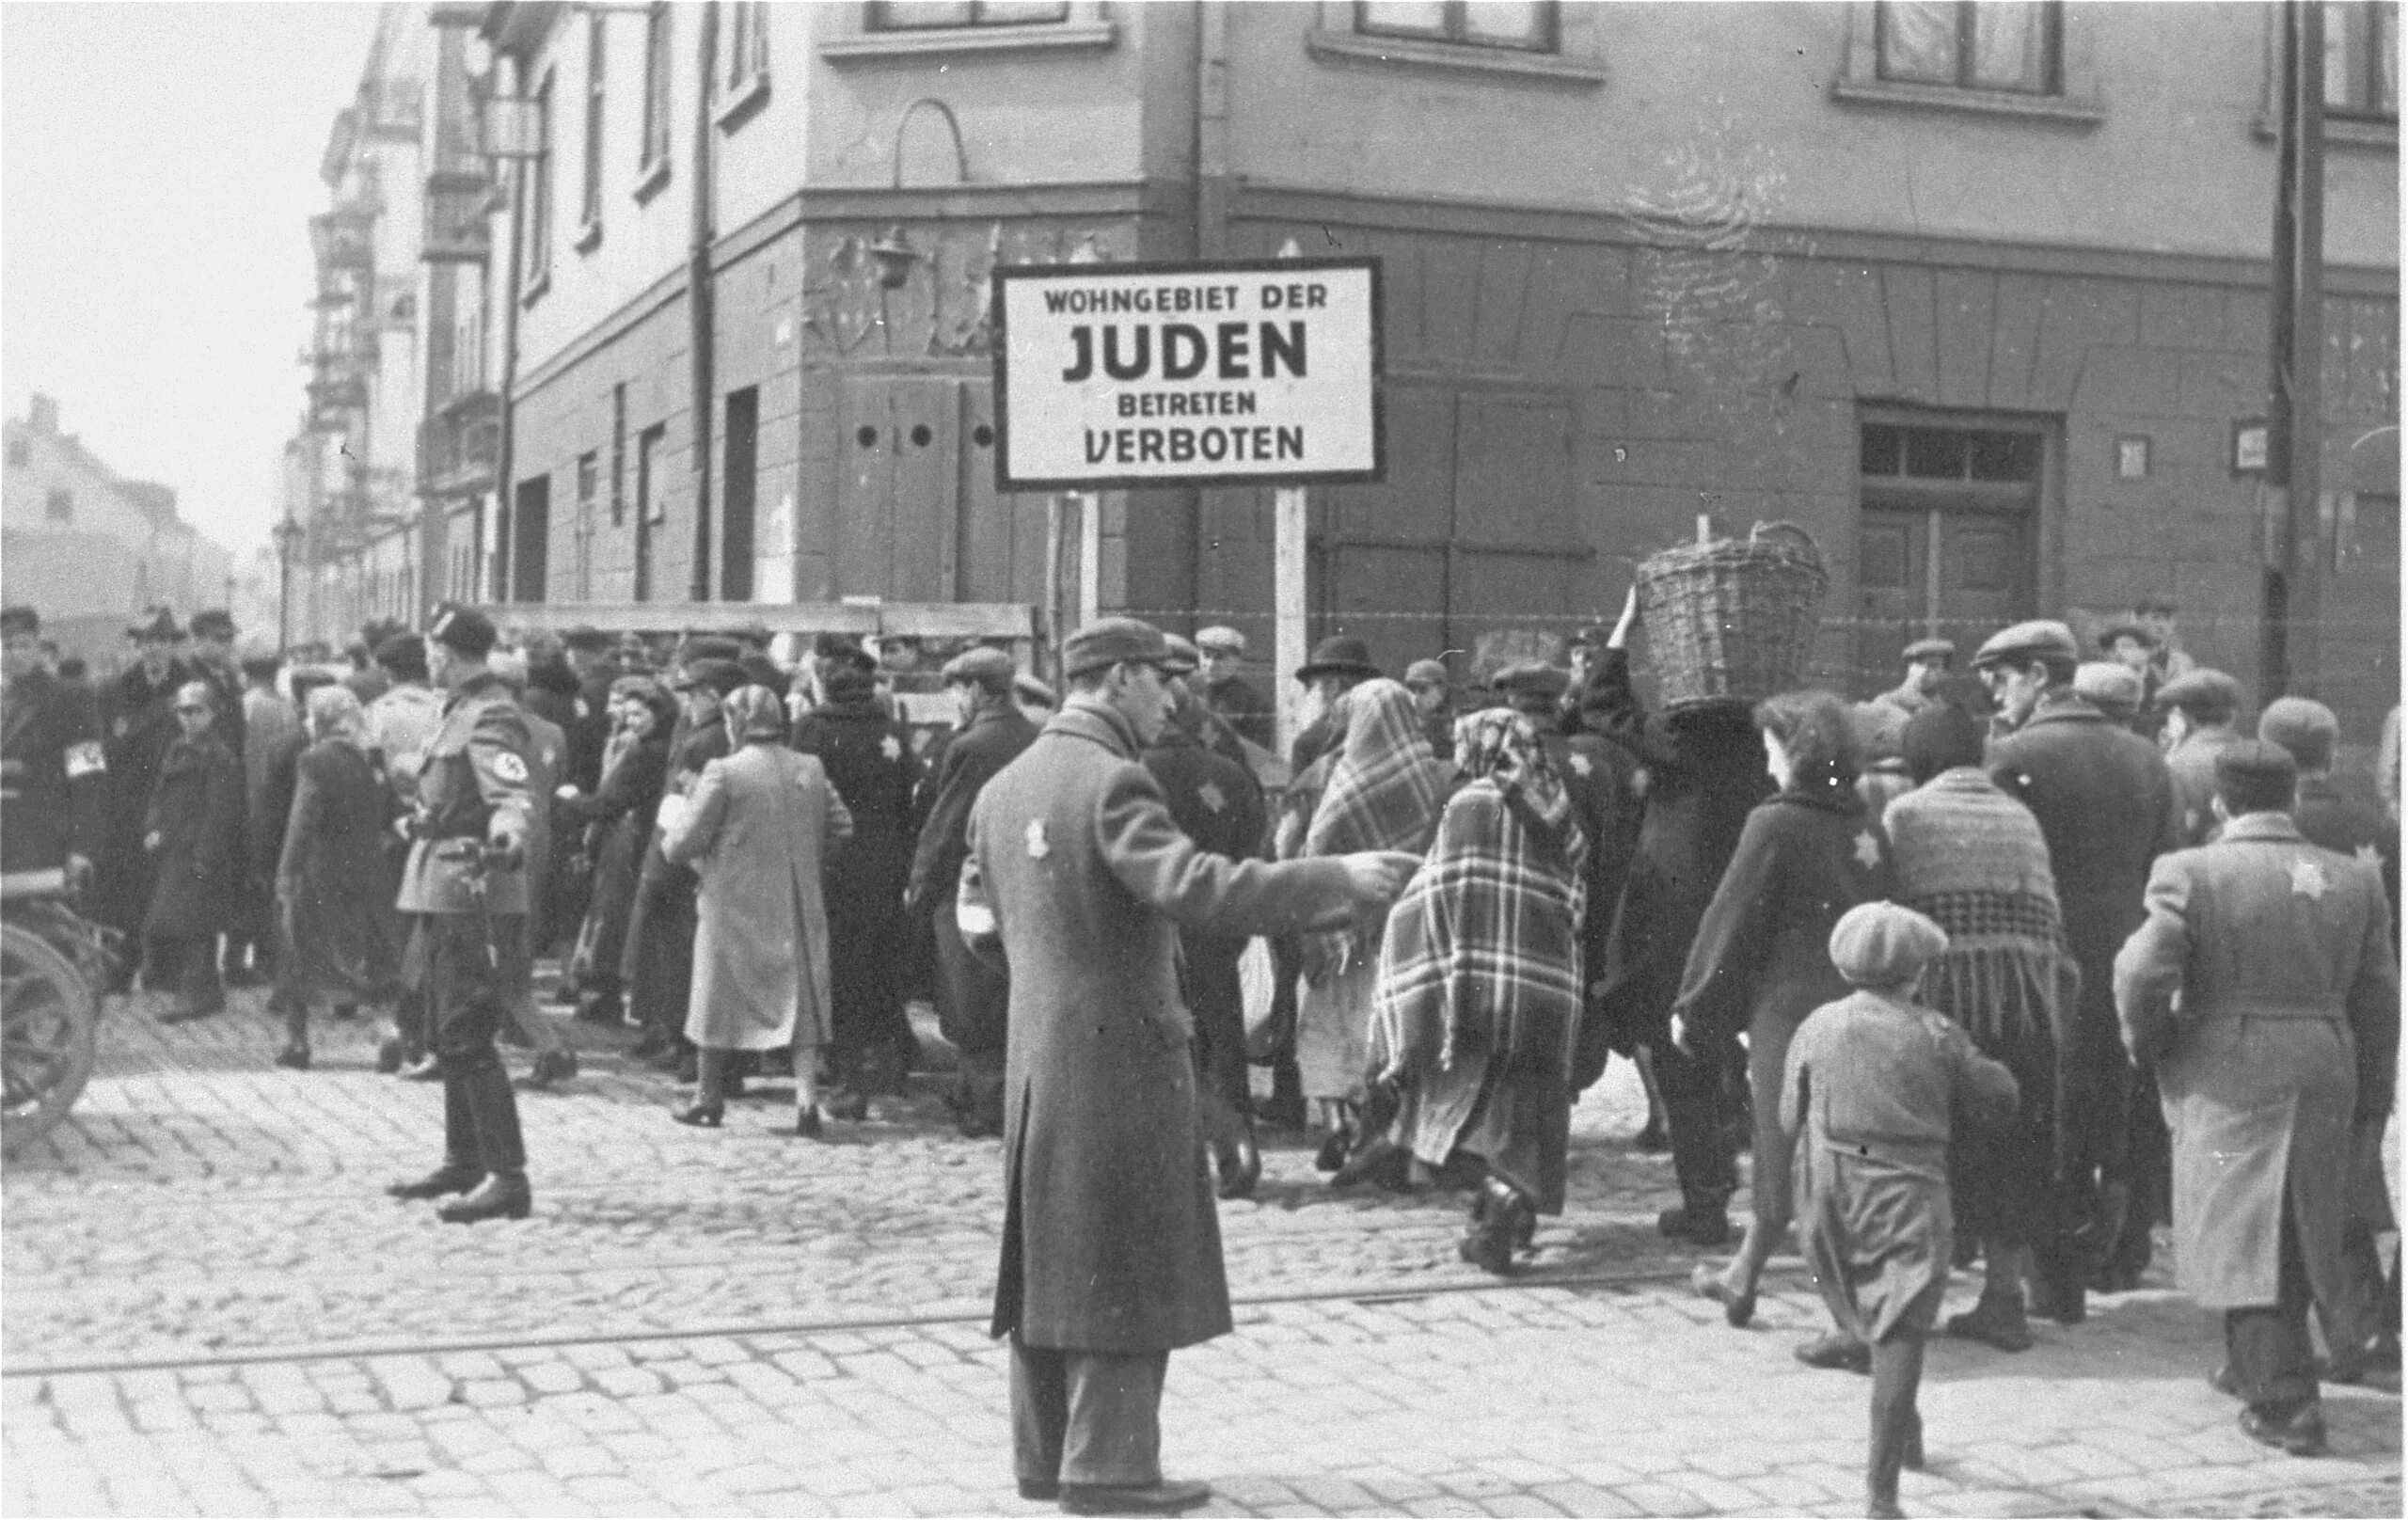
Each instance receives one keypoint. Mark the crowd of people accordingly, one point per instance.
(2007, 967)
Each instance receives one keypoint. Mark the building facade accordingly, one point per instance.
(1976, 294)
(90, 549)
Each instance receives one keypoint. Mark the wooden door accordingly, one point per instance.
(1945, 572)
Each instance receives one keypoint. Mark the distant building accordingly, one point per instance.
(90, 548)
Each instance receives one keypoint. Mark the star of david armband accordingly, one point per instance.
(86, 759)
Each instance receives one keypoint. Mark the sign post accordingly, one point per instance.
(1119, 376)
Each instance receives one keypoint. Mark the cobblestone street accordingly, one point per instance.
(210, 1309)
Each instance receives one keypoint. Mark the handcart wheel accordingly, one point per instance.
(48, 1011)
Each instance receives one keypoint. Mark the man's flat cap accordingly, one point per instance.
(2302, 725)
(19, 620)
(1422, 674)
(158, 626)
(1184, 656)
(2040, 639)
(1882, 944)
(212, 622)
(2111, 685)
(1532, 678)
(752, 633)
(719, 675)
(1931, 649)
(1029, 689)
(1339, 655)
(585, 636)
(2202, 691)
(2256, 764)
(463, 629)
(1221, 637)
(1111, 640)
(977, 666)
(709, 646)
(405, 655)
(2125, 628)
(761, 670)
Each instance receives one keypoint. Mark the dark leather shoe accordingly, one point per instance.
(807, 1126)
(1993, 1323)
(294, 1058)
(496, 1197)
(1039, 1490)
(2223, 1382)
(442, 1180)
(1836, 1354)
(551, 1066)
(1698, 1227)
(425, 1069)
(2299, 1431)
(1243, 1171)
(1164, 1497)
(701, 1116)
(1331, 1154)
(1652, 1139)
(389, 1054)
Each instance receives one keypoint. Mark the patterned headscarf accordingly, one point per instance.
(753, 712)
(1503, 746)
(335, 713)
(1386, 791)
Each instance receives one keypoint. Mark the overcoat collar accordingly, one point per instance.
(2064, 707)
(2276, 826)
(1097, 726)
(473, 686)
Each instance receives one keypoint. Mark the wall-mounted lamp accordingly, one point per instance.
(894, 255)
(892, 251)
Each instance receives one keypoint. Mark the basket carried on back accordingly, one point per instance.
(1732, 618)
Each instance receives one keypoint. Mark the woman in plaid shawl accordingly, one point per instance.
(1480, 984)
(1384, 792)
(1972, 860)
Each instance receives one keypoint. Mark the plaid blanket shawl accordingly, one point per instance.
(1488, 932)
(1973, 859)
(1384, 791)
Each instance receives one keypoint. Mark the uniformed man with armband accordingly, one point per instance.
(50, 751)
(466, 888)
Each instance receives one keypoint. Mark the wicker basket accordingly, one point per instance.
(1732, 619)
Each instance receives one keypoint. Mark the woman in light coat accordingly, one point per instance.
(756, 830)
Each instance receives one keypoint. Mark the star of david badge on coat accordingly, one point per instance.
(1038, 847)
(509, 767)
(1868, 850)
(893, 747)
(1209, 795)
(2369, 854)
(2307, 880)
(1581, 765)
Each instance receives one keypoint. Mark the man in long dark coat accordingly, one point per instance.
(871, 763)
(1216, 802)
(2106, 807)
(56, 773)
(136, 727)
(1111, 1250)
(972, 996)
(2285, 1037)
(194, 832)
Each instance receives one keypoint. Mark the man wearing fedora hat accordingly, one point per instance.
(1079, 877)
(1339, 662)
(137, 728)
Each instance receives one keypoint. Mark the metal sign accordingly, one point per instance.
(1117, 375)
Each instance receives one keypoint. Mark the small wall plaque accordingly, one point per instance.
(2249, 447)
(2132, 457)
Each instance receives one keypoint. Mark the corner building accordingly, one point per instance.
(1976, 293)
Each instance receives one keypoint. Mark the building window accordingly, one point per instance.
(1526, 25)
(60, 507)
(2010, 45)
(618, 455)
(589, 211)
(538, 251)
(739, 493)
(747, 46)
(2361, 58)
(913, 15)
(655, 89)
(21, 453)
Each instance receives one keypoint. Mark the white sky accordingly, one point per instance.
(157, 167)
